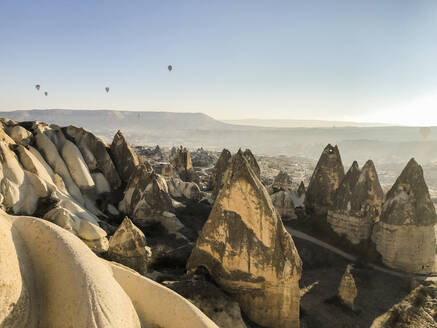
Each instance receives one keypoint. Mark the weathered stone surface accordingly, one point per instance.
(95, 153)
(128, 246)
(216, 180)
(283, 201)
(253, 162)
(49, 278)
(301, 191)
(405, 236)
(418, 309)
(34, 164)
(282, 182)
(181, 161)
(146, 196)
(51, 155)
(325, 180)
(20, 135)
(218, 306)
(347, 290)
(180, 189)
(358, 203)
(102, 185)
(248, 252)
(202, 158)
(77, 167)
(124, 157)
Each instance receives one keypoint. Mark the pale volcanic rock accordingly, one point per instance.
(51, 155)
(95, 153)
(301, 191)
(358, 203)
(282, 182)
(181, 161)
(283, 201)
(20, 135)
(181, 189)
(347, 290)
(248, 252)
(34, 164)
(49, 278)
(325, 180)
(405, 235)
(146, 196)
(102, 185)
(216, 179)
(125, 159)
(128, 246)
(77, 167)
(253, 162)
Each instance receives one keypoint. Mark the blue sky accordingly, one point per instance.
(373, 60)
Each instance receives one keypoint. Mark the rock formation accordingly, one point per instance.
(218, 306)
(49, 278)
(216, 179)
(418, 309)
(347, 290)
(95, 154)
(405, 235)
(179, 189)
(181, 161)
(128, 246)
(325, 180)
(282, 182)
(248, 252)
(146, 196)
(357, 203)
(283, 201)
(124, 157)
(253, 162)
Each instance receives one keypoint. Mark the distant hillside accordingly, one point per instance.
(278, 123)
(111, 119)
(383, 144)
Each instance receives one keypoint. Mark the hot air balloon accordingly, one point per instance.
(170, 68)
(46, 93)
(107, 89)
(37, 86)
(425, 132)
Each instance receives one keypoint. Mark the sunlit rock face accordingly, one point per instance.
(51, 279)
(325, 180)
(128, 246)
(357, 204)
(347, 290)
(95, 154)
(248, 252)
(125, 159)
(216, 179)
(146, 196)
(405, 236)
(181, 161)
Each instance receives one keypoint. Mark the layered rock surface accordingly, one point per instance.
(49, 278)
(357, 204)
(405, 235)
(247, 250)
(325, 180)
(125, 159)
(347, 290)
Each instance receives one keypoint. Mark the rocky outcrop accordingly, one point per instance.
(418, 309)
(181, 161)
(248, 252)
(40, 259)
(124, 157)
(283, 201)
(357, 204)
(146, 196)
(405, 235)
(347, 290)
(282, 182)
(95, 153)
(202, 158)
(218, 306)
(128, 246)
(325, 180)
(216, 179)
(20, 135)
(253, 162)
(179, 189)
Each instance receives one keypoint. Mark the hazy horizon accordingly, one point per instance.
(370, 62)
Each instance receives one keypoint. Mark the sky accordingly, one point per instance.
(372, 61)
